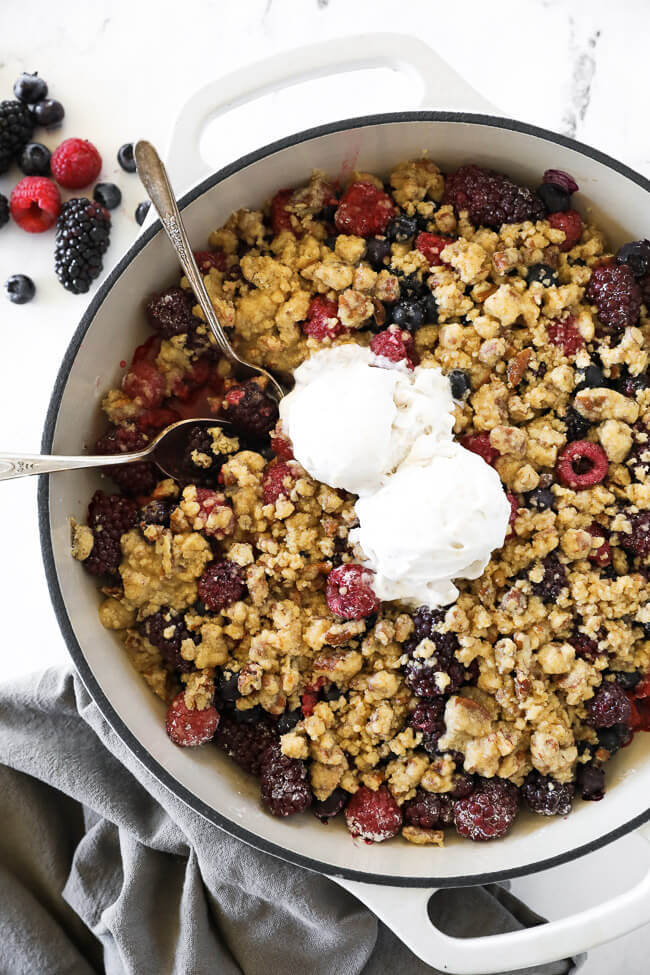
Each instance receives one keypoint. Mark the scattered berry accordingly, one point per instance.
(107, 195)
(277, 482)
(576, 426)
(326, 809)
(554, 198)
(610, 706)
(16, 129)
(249, 408)
(75, 164)
(126, 158)
(245, 743)
(221, 584)
(190, 728)
(402, 228)
(48, 113)
(166, 630)
(35, 204)
(109, 517)
(373, 816)
(395, 345)
(428, 810)
(29, 88)
(582, 464)
(206, 260)
(636, 255)
(590, 782)
(614, 291)
(20, 289)
(133, 479)
(141, 212)
(565, 335)
(546, 797)
(364, 210)
(4, 210)
(637, 541)
(82, 238)
(284, 783)
(491, 198)
(585, 648)
(170, 312)
(570, 222)
(431, 245)
(349, 592)
(479, 443)
(553, 581)
(602, 555)
(558, 177)
(322, 320)
(489, 812)
(280, 216)
(35, 159)
(378, 252)
(544, 274)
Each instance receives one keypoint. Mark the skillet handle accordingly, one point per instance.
(404, 911)
(441, 87)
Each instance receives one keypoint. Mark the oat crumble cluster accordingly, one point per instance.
(236, 590)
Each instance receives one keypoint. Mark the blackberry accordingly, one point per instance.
(614, 291)
(378, 252)
(16, 127)
(402, 228)
(157, 512)
(141, 212)
(289, 720)
(200, 441)
(170, 312)
(632, 385)
(636, 255)
(82, 238)
(585, 648)
(425, 622)
(4, 210)
(125, 157)
(577, 427)
(491, 198)
(429, 717)
(590, 782)
(107, 195)
(326, 809)
(19, 289)
(541, 498)
(554, 198)
(245, 743)
(35, 159)
(460, 383)
(542, 273)
(166, 630)
(553, 581)
(420, 676)
(250, 409)
(546, 797)
(464, 784)
(637, 541)
(30, 88)
(428, 810)
(284, 785)
(109, 517)
(133, 479)
(610, 706)
(249, 715)
(221, 584)
(48, 112)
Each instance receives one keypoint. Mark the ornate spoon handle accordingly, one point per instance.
(25, 465)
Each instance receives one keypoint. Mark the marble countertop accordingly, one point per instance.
(124, 69)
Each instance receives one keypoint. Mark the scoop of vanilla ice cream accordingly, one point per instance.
(352, 421)
(438, 518)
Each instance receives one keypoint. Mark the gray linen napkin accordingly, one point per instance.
(102, 869)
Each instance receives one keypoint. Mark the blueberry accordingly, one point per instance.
(577, 427)
(327, 808)
(402, 228)
(108, 195)
(378, 252)
(288, 721)
(423, 222)
(332, 693)
(408, 313)
(330, 242)
(541, 498)
(636, 255)
(249, 715)
(460, 384)
(327, 213)
(34, 160)
(125, 157)
(141, 212)
(627, 679)
(48, 113)
(554, 198)
(613, 738)
(4, 210)
(590, 378)
(30, 88)
(227, 689)
(412, 286)
(631, 385)
(20, 289)
(430, 307)
(543, 273)
(591, 782)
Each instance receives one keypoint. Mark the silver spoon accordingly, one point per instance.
(155, 180)
(165, 450)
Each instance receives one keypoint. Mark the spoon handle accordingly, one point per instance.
(24, 465)
(155, 180)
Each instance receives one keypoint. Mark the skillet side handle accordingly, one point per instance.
(441, 87)
(404, 911)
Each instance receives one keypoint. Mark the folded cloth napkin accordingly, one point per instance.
(102, 869)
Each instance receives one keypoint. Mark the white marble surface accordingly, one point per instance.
(123, 69)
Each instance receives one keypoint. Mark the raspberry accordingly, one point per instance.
(395, 345)
(195, 377)
(170, 312)
(373, 816)
(156, 512)
(428, 810)
(603, 554)
(570, 222)
(590, 782)
(207, 260)
(166, 630)
(221, 584)
(514, 508)
(615, 292)
(610, 706)
(16, 127)
(479, 443)
(145, 384)
(349, 592)
(284, 783)
(83, 232)
(134, 479)
(190, 728)
(546, 797)
(489, 811)
(281, 446)
(75, 164)
(491, 198)
(364, 210)
(326, 809)
(585, 648)
(277, 482)
(151, 421)
(248, 407)
(553, 581)
(280, 216)
(35, 204)
(581, 464)
(566, 335)
(109, 517)
(245, 743)
(215, 516)
(431, 246)
(576, 426)
(322, 320)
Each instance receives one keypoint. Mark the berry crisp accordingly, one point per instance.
(237, 592)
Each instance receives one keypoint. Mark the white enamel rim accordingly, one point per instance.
(203, 779)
